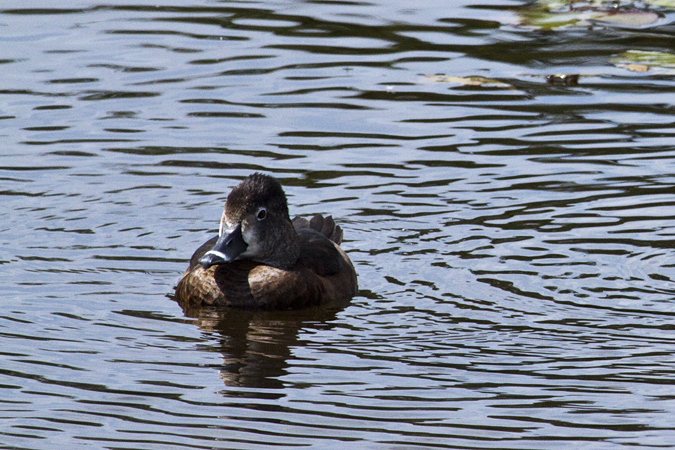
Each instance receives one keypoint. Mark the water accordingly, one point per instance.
(514, 245)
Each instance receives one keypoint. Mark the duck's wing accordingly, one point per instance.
(323, 225)
(318, 253)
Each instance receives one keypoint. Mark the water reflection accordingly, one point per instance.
(255, 345)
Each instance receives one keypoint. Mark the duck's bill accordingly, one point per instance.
(230, 245)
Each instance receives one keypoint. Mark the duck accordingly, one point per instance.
(261, 259)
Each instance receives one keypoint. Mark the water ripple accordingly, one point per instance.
(512, 240)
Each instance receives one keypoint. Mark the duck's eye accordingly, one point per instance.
(262, 213)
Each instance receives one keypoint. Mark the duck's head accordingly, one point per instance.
(255, 225)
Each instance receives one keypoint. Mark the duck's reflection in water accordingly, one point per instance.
(256, 345)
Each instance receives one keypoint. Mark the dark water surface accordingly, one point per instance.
(514, 245)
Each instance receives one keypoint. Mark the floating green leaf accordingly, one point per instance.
(555, 14)
(633, 59)
(661, 3)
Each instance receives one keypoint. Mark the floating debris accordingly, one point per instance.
(473, 80)
(636, 67)
(565, 79)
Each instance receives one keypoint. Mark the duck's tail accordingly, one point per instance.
(324, 225)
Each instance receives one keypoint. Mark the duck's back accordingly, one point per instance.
(322, 274)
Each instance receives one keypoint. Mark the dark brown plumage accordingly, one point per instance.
(281, 264)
